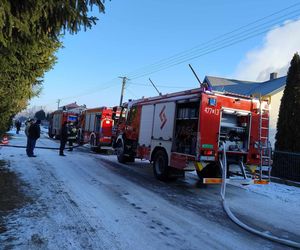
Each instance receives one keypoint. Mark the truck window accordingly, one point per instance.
(131, 115)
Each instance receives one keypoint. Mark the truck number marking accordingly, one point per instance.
(163, 118)
(211, 111)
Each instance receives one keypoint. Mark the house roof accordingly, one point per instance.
(269, 87)
(70, 106)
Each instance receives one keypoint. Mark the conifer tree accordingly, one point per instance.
(288, 125)
(29, 37)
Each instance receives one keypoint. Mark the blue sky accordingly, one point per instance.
(135, 33)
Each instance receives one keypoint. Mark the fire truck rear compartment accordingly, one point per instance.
(186, 125)
(234, 131)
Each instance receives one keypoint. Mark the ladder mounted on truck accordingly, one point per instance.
(263, 173)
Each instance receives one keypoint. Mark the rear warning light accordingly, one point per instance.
(208, 152)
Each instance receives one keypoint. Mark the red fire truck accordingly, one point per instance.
(95, 127)
(57, 119)
(191, 130)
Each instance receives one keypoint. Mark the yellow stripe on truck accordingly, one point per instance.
(263, 182)
(212, 180)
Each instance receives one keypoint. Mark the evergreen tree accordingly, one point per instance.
(288, 125)
(29, 37)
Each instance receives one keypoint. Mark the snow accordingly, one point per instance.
(81, 202)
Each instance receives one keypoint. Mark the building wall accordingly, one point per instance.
(274, 111)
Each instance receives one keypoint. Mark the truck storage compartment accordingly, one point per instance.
(186, 126)
(234, 131)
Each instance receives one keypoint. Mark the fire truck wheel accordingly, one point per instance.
(160, 165)
(92, 143)
(210, 171)
(50, 135)
(79, 138)
(120, 152)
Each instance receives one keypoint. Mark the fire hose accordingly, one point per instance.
(241, 224)
(40, 147)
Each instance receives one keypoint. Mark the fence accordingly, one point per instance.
(286, 165)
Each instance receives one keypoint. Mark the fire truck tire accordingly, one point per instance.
(92, 143)
(212, 170)
(120, 152)
(79, 138)
(160, 165)
(50, 135)
(130, 159)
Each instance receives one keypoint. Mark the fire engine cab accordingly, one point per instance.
(191, 130)
(95, 127)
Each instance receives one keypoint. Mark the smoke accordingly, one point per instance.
(274, 55)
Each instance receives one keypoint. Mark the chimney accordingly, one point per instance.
(273, 75)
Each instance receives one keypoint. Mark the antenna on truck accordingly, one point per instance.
(155, 87)
(205, 85)
(195, 75)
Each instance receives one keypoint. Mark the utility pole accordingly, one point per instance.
(58, 102)
(124, 79)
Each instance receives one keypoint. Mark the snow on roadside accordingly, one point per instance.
(288, 195)
(275, 191)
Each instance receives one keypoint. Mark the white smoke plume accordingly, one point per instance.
(274, 55)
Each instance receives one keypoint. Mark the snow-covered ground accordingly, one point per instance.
(90, 201)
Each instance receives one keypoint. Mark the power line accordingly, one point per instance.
(205, 52)
(162, 64)
(227, 33)
(160, 86)
(210, 46)
(88, 92)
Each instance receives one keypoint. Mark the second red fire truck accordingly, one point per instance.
(188, 131)
(95, 127)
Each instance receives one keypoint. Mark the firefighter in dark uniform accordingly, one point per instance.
(72, 135)
(63, 138)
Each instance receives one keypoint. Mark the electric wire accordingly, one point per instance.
(227, 42)
(160, 86)
(217, 37)
(220, 42)
(199, 55)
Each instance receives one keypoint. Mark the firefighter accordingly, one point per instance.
(63, 138)
(72, 134)
(18, 125)
(34, 133)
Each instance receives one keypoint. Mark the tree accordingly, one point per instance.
(40, 115)
(288, 125)
(29, 37)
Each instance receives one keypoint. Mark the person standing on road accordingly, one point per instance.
(27, 125)
(34, 133)
(63, 138)
(72, 134)
(18, 126)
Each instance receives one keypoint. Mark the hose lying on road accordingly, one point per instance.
(40, 147)
(241, 224)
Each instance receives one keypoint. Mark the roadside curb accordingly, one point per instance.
(285, 182)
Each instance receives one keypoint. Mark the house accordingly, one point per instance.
(74, 107)
(273, 87)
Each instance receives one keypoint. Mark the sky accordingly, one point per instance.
(213, 36)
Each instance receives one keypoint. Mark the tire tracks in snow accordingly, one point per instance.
(82, 227)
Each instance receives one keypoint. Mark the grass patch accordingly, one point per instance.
(11, 195)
